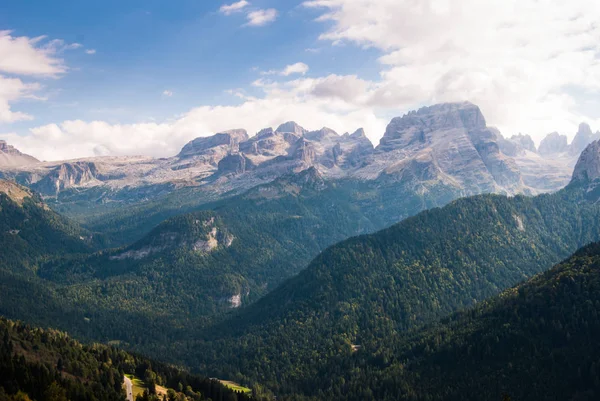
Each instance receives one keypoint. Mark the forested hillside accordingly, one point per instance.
(48, 365)
(536, 341)
(380, 285)
(30, 231)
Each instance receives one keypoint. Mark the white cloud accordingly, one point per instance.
(229, 9)
(520, 60)
(261, 17)
(167, 93)
(12, 89)
(26, 56)
(90, 51)
(280, 102)
(527, 63)
(297, 68)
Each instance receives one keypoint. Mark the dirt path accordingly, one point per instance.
(128, 388)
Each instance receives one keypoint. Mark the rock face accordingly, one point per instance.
(587, 168)
(227, 141)
(68, 175)
(517, 145)
(446, 148)
(552, 144)
(582, 139)
(12, 157)
(448, 145)
(524, 141)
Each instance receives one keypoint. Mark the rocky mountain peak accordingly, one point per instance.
(553, 143)
(587, 168)
(524, 141)
(229, 139)
(292, 127)
(12, 157)
(416, 127)
(322, 134)
(516, 145)
(359, 133)
(264, 132)
(585, 130)
(584, 137)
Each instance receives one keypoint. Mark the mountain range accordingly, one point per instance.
(318, 265)
(446, 147)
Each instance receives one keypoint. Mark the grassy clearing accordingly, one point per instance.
(139, 386)
(235, 386)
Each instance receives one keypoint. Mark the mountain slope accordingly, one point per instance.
(30, 231)
(437, 152)
(48, 364)
(535, 341)
(413, 273)
(11, 157)
(209, 261)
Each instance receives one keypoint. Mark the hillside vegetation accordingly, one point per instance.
(48, 365)
(381, 285)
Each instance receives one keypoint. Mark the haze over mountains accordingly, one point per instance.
(446, 146)
(286, 259)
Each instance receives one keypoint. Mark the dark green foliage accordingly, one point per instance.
(30, 232)
(264, 237)
(372, 291)
(536, 341)
(48, 365)
(381, 285)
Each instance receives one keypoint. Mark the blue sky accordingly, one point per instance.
(143, 48)
(91, 78)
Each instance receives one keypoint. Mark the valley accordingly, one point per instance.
(303, 264)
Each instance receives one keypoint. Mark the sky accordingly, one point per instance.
(81, 78)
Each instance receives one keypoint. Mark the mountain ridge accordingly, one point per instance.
(234, 161)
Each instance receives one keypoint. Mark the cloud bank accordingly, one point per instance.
(531, 65)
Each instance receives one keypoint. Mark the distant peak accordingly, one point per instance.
(292, 127)
(587, 168)
(321, 134)
(418, 126)
(265, 132)
(585, 129)
(584, 137)
(553, 143)
(230, 138)
(524, 141)
(359, 133)
(12, 157)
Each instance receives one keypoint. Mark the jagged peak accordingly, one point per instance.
(525, 141)
(265, 132)
(584, 129)
(230, 137)
(359, 133)
(584, 137)
(12, 157)
(587, 168)
(415, 126)
(553, 143)
(321, 134)
(292, 127)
